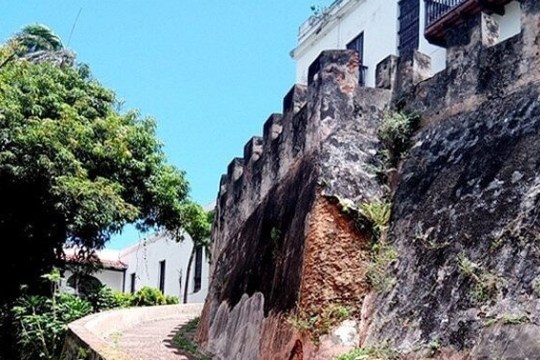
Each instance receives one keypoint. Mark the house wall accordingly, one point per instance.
(143, 260)
(377, 19)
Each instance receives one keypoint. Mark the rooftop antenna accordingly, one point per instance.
(73, 27)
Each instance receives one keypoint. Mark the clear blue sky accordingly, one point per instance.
(209, 71)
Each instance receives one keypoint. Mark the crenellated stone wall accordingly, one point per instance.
(282, 245)
(273, 204)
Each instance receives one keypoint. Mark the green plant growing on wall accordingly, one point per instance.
(318, 11)
(383, 255)
(536, 286)
(276, 242)
(319, 321)
(378, 352)
(485, 284)
(395, 135)
(377, 214)
(396, 131)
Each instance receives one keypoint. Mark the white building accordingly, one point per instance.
(377, 29)
(156, 261)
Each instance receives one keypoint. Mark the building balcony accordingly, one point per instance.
(442, 15)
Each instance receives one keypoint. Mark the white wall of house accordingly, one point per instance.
(345, 20)
(143, 260)
(378, 20)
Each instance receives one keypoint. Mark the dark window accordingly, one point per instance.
(358, 44)
(409, 26)
(132, 285)
(162, 276)
(197, 279)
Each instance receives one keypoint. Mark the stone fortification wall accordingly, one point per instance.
(464, 218)
(271, 204)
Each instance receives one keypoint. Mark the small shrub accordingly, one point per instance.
(106, 298)
(434, 347)
(42, 323)
(466, 266)
(395, 134)
(122, 300)
(148, 296)
(515, 319)
(171, 300)
(536, 286)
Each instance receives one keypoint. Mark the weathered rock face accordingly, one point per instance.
(466, 229)
(464, 218)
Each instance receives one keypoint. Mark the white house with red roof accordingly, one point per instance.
(156, 261)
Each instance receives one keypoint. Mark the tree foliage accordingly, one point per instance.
(73, 169)
(198, 223)
(199, 226)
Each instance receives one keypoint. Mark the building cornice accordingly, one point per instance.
(317, 27)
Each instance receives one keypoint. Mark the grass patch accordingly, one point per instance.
(184, 340)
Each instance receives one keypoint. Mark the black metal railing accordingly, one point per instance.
(362, 75)
(436, 9)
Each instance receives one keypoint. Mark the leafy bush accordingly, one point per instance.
(171, 300)
(122, 300)
(148, 296)
(395, 133)
(42, 323)
(106, 298)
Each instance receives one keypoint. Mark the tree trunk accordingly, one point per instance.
(188, 271)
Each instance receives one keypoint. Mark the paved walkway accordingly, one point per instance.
(152, 340)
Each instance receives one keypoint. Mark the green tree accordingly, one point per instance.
(198, 225)
(38, 37)
(73, 169)
(38, 43)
